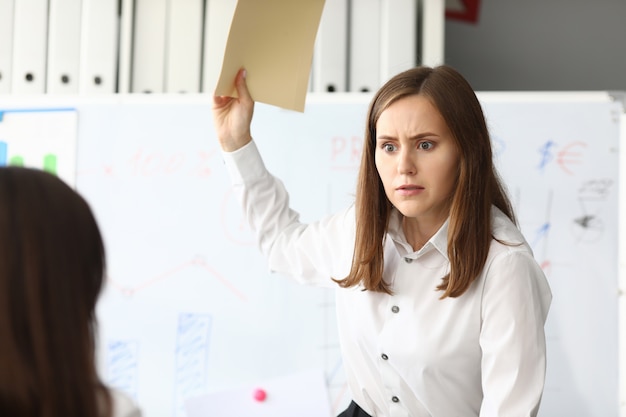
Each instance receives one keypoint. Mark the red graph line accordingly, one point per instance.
(196, 262)
(225, 282)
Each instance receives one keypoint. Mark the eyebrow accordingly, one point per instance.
(416, 137)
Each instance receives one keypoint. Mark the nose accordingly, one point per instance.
(406, 163)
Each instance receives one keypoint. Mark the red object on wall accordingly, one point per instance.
(470, 14)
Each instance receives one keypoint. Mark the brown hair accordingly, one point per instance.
(478, 185)
(51, 272)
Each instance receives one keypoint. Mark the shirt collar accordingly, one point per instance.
(439, 241)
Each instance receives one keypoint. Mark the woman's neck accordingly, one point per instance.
(418, 233)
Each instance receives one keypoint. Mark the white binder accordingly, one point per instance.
(64, 23)
(98, 51)
(433, 31)
(184, 46)
(364, 64)
(330, 56)
(148, 66)
(398, 38)
(30, 34)
(125, 57)
(6, 46)
(218, 16)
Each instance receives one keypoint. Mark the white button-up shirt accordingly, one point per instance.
(412, 354)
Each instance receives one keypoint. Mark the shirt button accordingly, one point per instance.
(385, 357)
(395, 399)
(408, 260)
(395, 309)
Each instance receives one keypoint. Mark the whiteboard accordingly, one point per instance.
(189, 307)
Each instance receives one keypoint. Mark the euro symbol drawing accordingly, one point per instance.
(569, 156)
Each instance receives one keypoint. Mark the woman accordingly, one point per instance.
(440, 304)
(52, 265)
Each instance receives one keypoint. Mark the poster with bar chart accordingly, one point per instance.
(42, 138)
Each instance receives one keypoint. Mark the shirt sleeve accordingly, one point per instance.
(311, 253)
(123, 406)
(516, 300)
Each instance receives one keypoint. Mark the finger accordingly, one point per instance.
(220, 101)
(242, 86)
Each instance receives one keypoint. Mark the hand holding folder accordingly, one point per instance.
(273, 40)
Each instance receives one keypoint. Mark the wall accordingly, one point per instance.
(541, 45)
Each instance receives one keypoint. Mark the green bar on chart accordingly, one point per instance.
(50, 163)
(17, 161)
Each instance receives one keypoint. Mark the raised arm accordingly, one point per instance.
(310, 253)
(232, 116)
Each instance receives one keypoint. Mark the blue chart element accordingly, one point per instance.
(546, 154)
(542, 233)
(192, 351)
(122, 366)
(35, 110)
(3, 153)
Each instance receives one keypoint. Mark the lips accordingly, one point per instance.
(409, 189)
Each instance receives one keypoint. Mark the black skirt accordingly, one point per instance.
(354, 411)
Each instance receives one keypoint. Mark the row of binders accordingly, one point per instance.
(176, 46)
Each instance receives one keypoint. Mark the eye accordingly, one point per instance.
(425, 145)
(388, 147)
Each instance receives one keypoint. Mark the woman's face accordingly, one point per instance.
(417, 159)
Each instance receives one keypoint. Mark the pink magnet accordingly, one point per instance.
(260, 394)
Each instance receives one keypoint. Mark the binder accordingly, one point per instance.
(364, 64)
(6, 46)
(98, 49)
(218, 16)
(30, 33)
(184, 46)
(148, 61)
(398, 40)
(64, 46)
(125, 59)
(433, 20)
(330, 56)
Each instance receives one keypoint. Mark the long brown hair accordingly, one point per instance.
(478, 185)
(52, 264)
